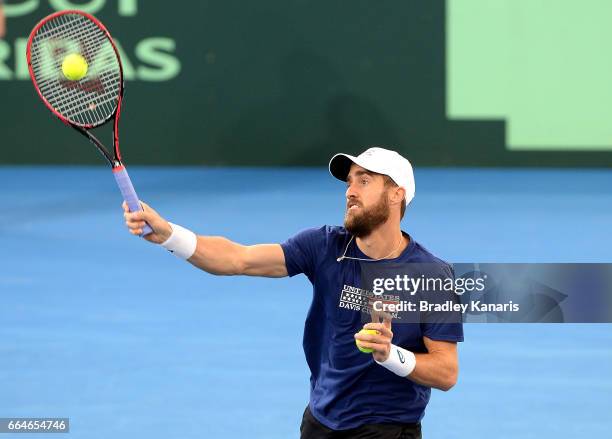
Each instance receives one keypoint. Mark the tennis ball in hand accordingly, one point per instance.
(74, 67)
(366, 331)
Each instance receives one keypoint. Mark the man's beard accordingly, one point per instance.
(364, 221)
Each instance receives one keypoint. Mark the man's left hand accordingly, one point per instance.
(381, 342)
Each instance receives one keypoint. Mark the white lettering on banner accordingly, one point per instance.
(156, 61)
(156, 52)
(128, 8)
(125, 8)
(5, 55)
(91, 7)
(152, 59)
(21, 62)
(20, 9)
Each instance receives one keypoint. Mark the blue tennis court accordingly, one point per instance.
(128, 341)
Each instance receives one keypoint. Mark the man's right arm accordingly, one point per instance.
(214, 254)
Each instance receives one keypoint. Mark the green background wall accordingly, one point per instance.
(285, 82)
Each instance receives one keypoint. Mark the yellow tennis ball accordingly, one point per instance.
(74, 67)
(366, 331)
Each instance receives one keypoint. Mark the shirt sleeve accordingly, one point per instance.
(303, 251)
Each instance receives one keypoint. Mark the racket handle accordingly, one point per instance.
(129, 194)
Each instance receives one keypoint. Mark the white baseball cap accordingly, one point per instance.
(381, 161)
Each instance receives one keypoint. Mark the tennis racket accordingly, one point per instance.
(91, 98)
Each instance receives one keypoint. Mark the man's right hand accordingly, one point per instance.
(135, 221)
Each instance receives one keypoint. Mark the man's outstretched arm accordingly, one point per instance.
(214, 254)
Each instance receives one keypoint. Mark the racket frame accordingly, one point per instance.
(114, 159)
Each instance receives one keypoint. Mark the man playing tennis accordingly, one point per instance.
(352, 395)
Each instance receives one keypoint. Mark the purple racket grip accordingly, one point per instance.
(129, 194)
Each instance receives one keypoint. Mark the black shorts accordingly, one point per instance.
(313, 429)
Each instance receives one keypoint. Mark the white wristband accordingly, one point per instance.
(400, 361)
(182, 242)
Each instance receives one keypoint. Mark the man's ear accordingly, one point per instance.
(397, 194)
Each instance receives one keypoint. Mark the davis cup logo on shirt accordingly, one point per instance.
(360, 300)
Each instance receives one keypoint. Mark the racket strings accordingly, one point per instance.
(68, 95)
(68, 32)
(91, 111)
(91, 100)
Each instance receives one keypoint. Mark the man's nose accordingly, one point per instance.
(350, 192)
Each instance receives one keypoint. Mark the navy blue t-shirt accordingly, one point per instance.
(347, 387)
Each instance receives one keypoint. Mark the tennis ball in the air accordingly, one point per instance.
(74, 67)
(366, 331)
